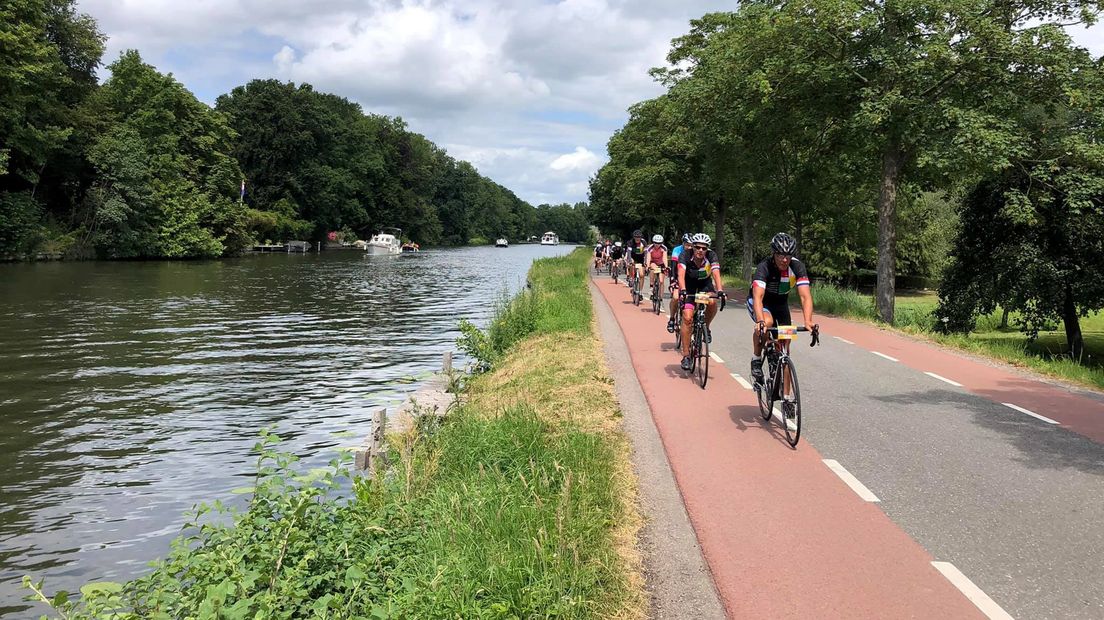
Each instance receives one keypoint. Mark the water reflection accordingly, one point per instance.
(130, 391)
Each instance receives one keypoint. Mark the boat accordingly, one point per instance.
(550, 238)
(384, 242)
(501, 243)
(410, 248)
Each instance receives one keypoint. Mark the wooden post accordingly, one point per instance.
(446, 362)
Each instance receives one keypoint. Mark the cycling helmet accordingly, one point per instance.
(701, 238)
(686, 238)
(657, 238)
(617, 245)
(637, 233)
(783, 244)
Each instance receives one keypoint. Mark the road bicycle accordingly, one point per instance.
(657, 290)
(778, 368)
(699, 336)
(634, 284)
(615, 269)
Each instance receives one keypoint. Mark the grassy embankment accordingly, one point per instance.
(915, 314)
(521, 503)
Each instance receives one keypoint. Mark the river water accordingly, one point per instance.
(131, 391)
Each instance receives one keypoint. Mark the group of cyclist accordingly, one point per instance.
(692, 267)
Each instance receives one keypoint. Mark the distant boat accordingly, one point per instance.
(384, 242)
(501, 243)
(550, 238)
(410, 248)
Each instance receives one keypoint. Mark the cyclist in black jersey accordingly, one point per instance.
(637, 249)
(769, 293)
(699, 271)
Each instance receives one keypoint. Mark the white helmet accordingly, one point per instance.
(701, 238)
(617, 245)
(657, 238)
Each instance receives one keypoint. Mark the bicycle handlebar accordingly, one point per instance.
(723, 297)
(815, 330)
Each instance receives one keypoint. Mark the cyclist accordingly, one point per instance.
(655, 260)
(675, 254)
(770, 289)
(616, 253)
(599, 249)
(637, 250)
(698, 272)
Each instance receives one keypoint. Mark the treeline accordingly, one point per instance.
(138, 167)
(955, 139)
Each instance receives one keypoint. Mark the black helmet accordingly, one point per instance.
(784, 244)
(637, 233)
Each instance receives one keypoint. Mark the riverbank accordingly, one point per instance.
(519, 503)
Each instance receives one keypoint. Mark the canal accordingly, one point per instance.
(129, 392)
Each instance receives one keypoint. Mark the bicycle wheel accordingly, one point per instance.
(678, 333)
(613, 271)
(791, 419)
(764, 391)
(657, 298)
(703, 358)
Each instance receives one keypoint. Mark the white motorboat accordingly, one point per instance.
(384, 242)
(501, 243)
(550, 238)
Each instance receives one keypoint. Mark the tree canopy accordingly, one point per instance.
(139, 168)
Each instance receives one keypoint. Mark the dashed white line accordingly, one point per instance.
(742, 381)
(843, 340)
(715, 357)
(1031, 413)
(943, 379)
(987, 605)
(892, 359)
(851, 481)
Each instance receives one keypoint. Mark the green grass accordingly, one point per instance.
(915, 314)
(519, 504)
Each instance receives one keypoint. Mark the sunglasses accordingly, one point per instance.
(701, 248)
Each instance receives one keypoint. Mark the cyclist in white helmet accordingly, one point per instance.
(699, 271)
(655, 260)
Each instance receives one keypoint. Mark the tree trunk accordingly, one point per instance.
(719, 235)
(1004, 319)
(1073, 327)
(749, 248)
(892, 160)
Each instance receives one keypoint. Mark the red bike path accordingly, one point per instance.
(783, 536)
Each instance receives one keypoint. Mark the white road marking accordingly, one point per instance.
(742, 381)
(715, 357)
(1031, 413)
(943, 379)
(892, 359)
(843, 340)
(851, 481)
(987, 605)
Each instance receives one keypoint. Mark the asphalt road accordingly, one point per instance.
(1014, 502)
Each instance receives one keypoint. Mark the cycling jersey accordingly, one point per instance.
(699, 277)
(616, 253)
(776, 282)
(637, 251)
(656, 252)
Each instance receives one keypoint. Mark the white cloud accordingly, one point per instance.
(581, 160)
(529, 91)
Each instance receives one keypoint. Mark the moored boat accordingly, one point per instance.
(550, 238)
(501, 243)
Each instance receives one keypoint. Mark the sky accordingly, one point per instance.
(529, 91)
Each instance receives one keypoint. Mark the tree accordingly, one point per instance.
(1038, 227)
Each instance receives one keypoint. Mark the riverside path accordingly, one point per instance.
(927, 484)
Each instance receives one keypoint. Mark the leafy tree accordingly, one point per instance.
(1038, 227)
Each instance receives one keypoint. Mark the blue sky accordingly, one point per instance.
(527, 90)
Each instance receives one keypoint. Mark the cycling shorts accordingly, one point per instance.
(779, 311)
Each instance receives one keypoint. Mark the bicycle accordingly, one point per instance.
(777, 367)
(657, 290)
(699, 339)
(615, 269)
